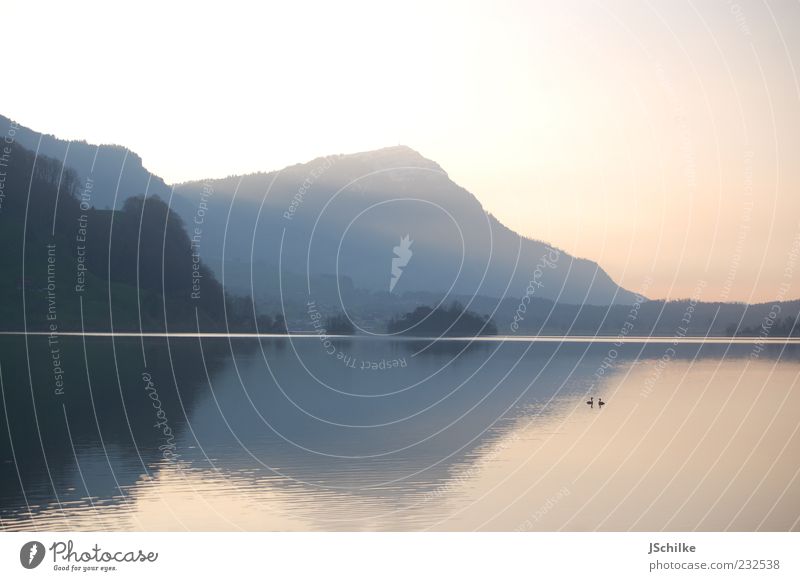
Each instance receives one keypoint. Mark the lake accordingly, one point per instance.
(293, 433)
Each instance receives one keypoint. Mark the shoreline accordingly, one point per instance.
(484, 338)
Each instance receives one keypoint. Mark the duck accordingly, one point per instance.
(590, 403)
(600, 402)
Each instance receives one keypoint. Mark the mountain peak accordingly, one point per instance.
(399, 149)
(395, 156)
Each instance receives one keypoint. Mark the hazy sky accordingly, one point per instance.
(657, 138)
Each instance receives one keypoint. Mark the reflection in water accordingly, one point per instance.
(291, 434)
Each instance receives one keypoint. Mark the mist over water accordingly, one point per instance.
(287, 434)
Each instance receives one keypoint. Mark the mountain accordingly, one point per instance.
(331, 228)
(346, 216)
(114, 171)
(377, 234)
(68, 267)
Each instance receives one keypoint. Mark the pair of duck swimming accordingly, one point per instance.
(600, 402)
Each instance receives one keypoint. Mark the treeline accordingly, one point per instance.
(648, 317)
(69, 266)
(339, 324)
(452, 321)
(770, 327)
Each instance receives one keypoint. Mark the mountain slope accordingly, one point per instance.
(70, 268)
(115, 171)
(345, 214)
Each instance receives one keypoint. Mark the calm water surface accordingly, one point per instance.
(188, 433)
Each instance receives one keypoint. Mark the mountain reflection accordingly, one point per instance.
(286, 432)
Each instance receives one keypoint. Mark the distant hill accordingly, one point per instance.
(344, 216)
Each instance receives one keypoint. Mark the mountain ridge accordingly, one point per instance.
(342, 214)
(116, 171)
(364, 181)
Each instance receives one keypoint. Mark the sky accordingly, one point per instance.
(660, 139)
